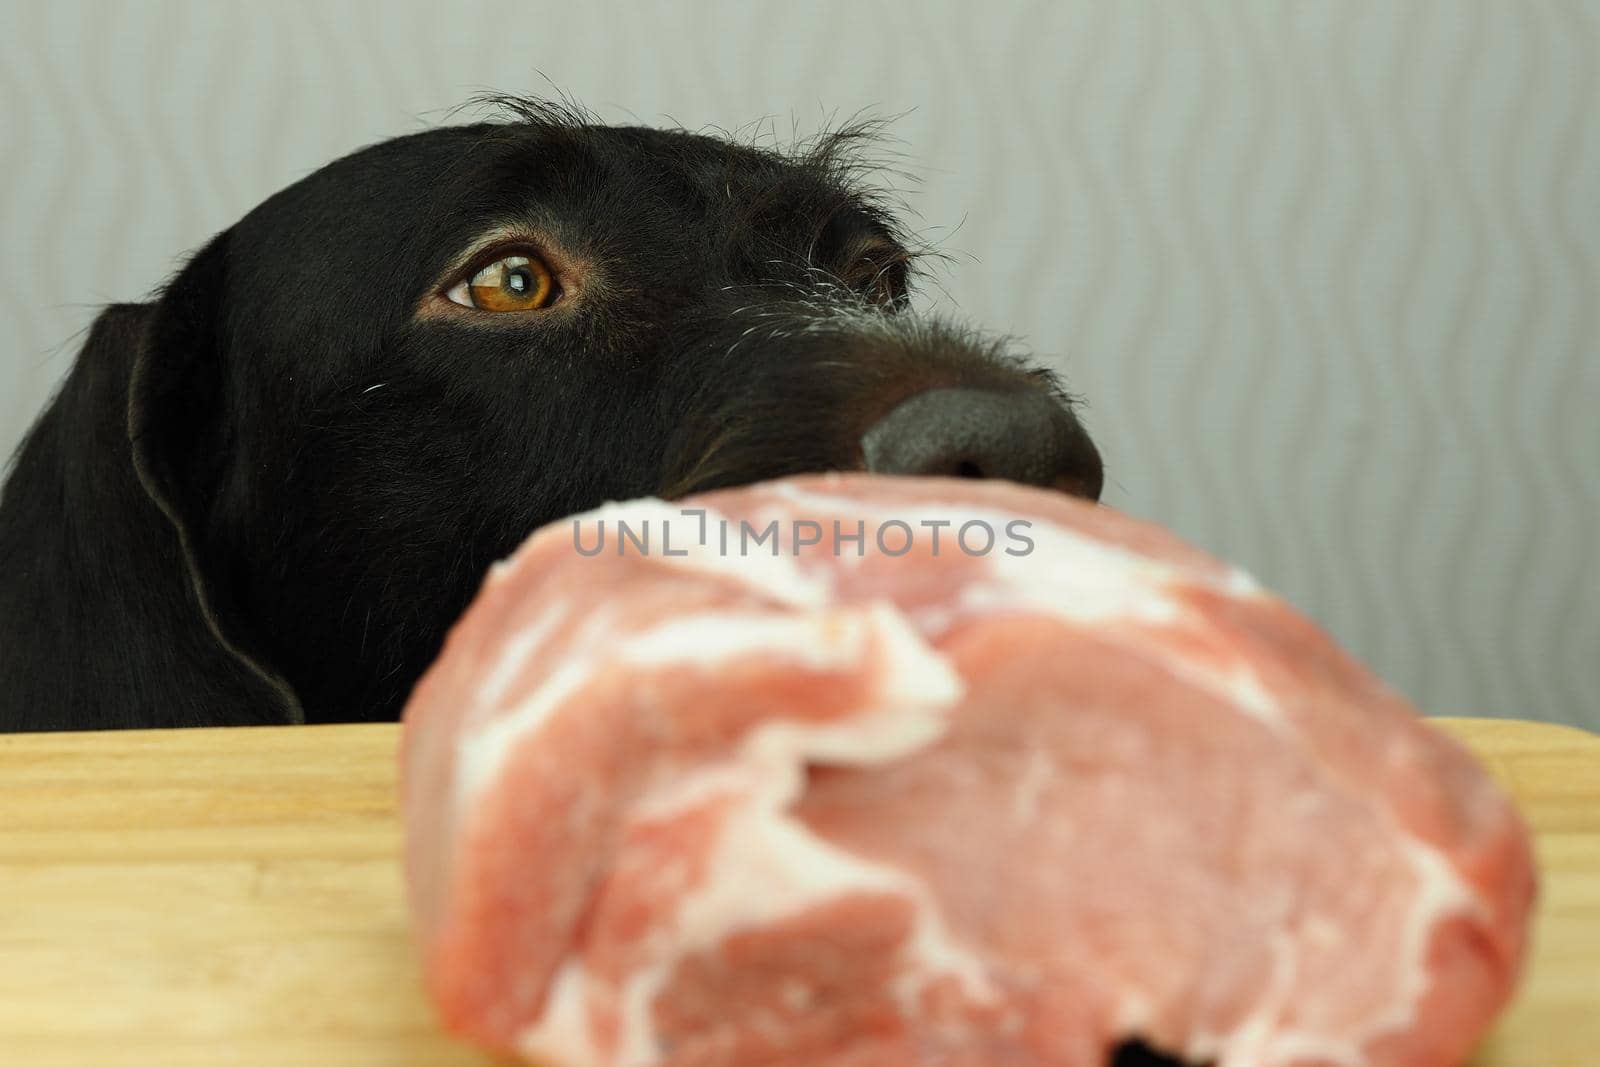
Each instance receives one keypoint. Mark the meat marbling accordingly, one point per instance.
(937, 808)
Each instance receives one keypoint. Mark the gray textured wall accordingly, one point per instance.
(1327, 272)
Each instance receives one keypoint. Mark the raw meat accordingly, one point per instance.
(844, 806)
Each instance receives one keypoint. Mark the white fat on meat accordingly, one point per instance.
(767, 865)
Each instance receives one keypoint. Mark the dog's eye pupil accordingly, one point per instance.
(511, 283)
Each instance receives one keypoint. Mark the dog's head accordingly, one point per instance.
(388, 374)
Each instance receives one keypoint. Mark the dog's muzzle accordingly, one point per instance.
(789, 387)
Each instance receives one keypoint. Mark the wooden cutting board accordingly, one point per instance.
(208, 897)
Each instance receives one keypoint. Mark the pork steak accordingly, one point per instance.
(840, 771)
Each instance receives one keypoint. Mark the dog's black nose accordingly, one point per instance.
(1022, 436)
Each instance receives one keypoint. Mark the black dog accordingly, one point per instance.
(264, 497)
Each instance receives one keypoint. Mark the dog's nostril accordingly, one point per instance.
(1019, 435)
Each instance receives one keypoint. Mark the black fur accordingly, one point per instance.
(264, 496)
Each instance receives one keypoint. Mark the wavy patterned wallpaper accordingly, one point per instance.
(1327, 272)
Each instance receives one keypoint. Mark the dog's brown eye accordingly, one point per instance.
(510, 283)
(881, 276)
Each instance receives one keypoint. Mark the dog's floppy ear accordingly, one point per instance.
(178, 431)
(175, 391)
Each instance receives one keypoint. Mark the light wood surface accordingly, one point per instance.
(176, 898)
